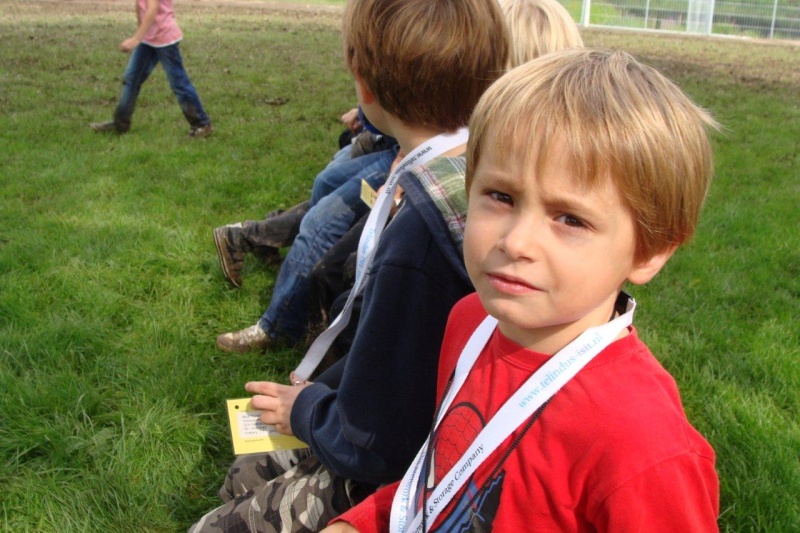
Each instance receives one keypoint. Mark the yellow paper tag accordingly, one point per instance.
(368, 194)
(250, 435)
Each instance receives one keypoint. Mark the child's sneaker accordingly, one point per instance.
(231, 250)
(249, 339)
(199, 132)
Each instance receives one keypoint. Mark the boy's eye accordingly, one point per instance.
(501, 197)
(572, 221)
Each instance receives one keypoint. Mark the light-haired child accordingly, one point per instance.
(537, 27)
(585, 170)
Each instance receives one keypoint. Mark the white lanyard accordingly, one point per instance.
(529, 397)
(368, 242)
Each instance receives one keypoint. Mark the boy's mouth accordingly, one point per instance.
(509, 284)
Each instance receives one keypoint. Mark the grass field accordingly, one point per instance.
(111, 389)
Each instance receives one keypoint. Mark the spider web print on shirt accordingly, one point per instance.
(475, 509)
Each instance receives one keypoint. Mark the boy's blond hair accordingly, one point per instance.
(426, 62)
(538, 27)
(617, 119)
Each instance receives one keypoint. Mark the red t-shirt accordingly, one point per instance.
(612, 451)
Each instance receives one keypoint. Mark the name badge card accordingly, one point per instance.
(368, 195)
(250, 435)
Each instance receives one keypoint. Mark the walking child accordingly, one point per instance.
(585, 170)
(156, 40)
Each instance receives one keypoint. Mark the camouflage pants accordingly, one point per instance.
(284, 491)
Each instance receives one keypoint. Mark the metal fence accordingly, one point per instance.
(770, 19)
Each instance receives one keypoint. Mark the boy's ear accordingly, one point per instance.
(647, 270)
(366, 95)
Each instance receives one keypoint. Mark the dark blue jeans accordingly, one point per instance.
(329, 218)
(142, 62)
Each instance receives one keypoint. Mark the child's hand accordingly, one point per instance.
(129, 44)
(276, 401)
(294, 381)
(350, 120)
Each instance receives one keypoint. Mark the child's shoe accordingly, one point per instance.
(200, 132)
(231, 249)
(246, 340)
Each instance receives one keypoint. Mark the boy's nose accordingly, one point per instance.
(520, 239)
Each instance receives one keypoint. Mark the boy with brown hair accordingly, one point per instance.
(420, 68)
(585, 169)
(534, 28)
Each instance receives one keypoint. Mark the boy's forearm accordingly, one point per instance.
(317, 421)
(341, 432)
(146, 21)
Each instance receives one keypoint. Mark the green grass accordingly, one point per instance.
(112, 403)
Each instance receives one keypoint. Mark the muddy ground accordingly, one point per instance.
(760, 63)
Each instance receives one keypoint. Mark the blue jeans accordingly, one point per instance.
(325, 223)
(338, 172)
(142, 62)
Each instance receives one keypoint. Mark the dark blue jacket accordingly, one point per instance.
(371, 427)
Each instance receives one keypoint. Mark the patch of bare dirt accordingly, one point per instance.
(754, 62)
(90, 5)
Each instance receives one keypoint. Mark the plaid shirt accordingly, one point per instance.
(443, 180)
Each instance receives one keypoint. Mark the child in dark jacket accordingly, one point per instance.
(419, 68)
(535, 27)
